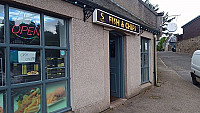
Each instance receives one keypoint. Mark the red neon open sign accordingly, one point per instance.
(26, 31)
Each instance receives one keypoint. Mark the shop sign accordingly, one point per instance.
(26, 56)
(104, 18)
(26, 31)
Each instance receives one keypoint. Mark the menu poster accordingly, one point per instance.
(27, 100)
(56, 96)
(26, 56)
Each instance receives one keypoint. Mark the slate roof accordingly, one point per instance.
(193, 20)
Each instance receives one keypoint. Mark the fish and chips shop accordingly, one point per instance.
(73, 55)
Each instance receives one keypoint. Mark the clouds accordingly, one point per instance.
(1, 9)
(50, 23)
(1, 13)
(20, 16)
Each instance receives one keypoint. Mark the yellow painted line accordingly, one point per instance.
(163, 62)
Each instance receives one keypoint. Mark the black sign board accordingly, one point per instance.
(104, 18)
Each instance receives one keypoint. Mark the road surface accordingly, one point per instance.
(177, 61)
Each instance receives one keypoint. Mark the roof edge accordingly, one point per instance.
(87, 2)
(198, 17)
(154, 12)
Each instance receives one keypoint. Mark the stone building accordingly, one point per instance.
(75, 55)
(191, 37)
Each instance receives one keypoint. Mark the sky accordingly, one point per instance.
(186, 9)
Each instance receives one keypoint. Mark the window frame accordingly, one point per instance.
(43, 82)
(144, 77)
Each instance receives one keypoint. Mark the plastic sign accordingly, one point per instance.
(26, 56)
(104, 18)
(172, 27)
(26, 31)
(62, 52)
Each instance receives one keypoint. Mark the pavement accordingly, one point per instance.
(172, 95)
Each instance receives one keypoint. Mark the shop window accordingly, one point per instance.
(1, 24)
(56, 96)
(35, 68)
(24, 27)
(2, 102)
(54, 32)
(25, 65)
(144, 60)
(2, 67)
(26, 100)
(55, 63)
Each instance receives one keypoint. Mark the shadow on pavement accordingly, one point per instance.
(198, 85)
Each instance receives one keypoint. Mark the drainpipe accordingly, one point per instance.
(159, 15)
(154, 59)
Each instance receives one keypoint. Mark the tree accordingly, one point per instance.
(166, 18)
(166, 21)
(160, 44)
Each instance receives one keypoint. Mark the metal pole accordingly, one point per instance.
(7, 53)
(154, 67)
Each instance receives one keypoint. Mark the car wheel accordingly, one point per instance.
(194, 80)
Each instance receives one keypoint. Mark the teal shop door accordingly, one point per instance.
(116, 66)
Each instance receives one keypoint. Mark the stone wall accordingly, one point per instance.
(188, 45)
(142, 11)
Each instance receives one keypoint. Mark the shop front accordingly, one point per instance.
(71, 55)
(34, 70)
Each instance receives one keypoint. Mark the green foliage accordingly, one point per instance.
(160, 43)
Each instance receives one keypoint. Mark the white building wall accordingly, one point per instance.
(133, 64)
(89, 67)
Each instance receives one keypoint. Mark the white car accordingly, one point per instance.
(195, 67)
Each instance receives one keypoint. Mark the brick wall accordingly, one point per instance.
(188, 45)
